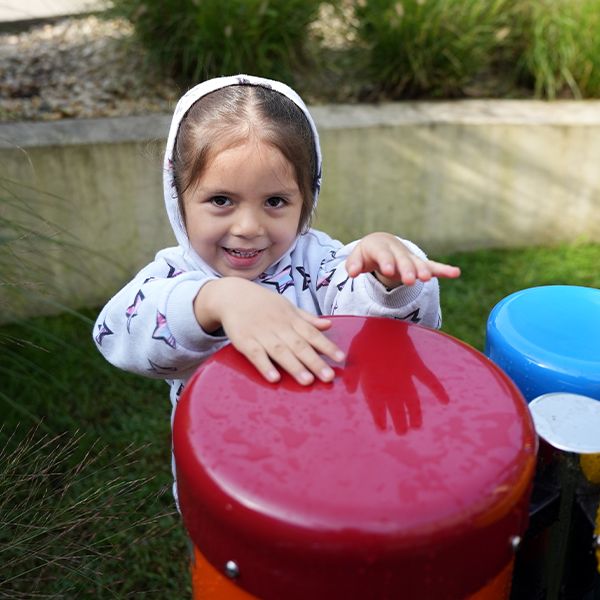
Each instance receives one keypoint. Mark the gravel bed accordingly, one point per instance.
(88, 66)
(77, 68)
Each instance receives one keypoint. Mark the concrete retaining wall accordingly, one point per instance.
(448, 175)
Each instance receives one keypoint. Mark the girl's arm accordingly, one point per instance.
(150, 328)
(382, 275)
(267, 329)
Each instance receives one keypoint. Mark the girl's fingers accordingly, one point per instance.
(411, 268)
(355, 263)
(386, 262)
(444, 270)
(320, 323)
(257, 355)
(319, 343)
(296, 353)
(388, 256)
(304, 353)
(261, 354)
(406, 268)
(314, 364)
(316, 339)
(299, 360)
(424, 272)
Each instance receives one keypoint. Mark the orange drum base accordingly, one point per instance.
(498, 588)
(209, 584)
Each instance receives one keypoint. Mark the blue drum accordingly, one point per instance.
(547, 339)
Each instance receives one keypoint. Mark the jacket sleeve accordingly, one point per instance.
(366, 295)
(149, 327)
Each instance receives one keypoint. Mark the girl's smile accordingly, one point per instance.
(243, 214)
(242, 259)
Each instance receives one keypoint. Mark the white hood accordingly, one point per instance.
(184, 104)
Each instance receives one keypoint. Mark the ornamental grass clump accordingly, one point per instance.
(65, 515)
(196, 40)
(433, 48)
(557, 47)
(35, 249)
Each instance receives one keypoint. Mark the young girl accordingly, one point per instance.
(242, 172)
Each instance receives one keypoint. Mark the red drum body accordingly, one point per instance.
(406, 477)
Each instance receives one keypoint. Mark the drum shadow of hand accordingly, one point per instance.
(386, 375)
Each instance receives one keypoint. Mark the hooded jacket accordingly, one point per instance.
(149, 327)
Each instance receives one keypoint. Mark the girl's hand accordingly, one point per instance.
(267, 329)
(393, 263)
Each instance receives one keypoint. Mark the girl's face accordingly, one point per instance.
(243, 213)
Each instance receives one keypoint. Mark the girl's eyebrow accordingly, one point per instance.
(284, 191)
(208, 190)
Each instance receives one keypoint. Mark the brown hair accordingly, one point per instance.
(232, 114)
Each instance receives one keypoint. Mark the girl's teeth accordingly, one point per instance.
(244, 254)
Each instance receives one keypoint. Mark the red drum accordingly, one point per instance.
(406, 477)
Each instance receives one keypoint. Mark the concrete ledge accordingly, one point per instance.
(329, 117)
(19, 15)
(80, 132)
(458, 112)
(449, 175)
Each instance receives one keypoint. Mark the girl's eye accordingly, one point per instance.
(275, 202)
(220, 201)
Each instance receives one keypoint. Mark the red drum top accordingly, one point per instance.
(410, 472)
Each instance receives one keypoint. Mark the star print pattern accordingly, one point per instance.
(178, 392)
(162, 331)
(103, 331)
(413, 317)
(340, 286)
(326, 279)
(305, 278)
(132, 310)
(173, 272)
(282, 280)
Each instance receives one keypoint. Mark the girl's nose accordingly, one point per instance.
(248, 223)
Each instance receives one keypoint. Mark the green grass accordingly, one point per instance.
(109, 476)
(490, 275)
